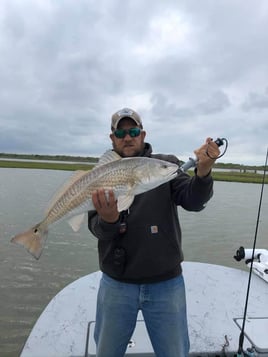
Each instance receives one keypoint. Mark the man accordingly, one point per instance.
(140, 249)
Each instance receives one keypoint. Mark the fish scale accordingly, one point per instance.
(73, 198)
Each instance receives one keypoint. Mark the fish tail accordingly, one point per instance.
(33, 240)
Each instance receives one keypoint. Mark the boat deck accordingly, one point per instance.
(215, 306)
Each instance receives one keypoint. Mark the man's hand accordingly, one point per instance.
(206, 156)
(105, 205)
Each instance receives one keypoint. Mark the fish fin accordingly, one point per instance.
(124, 202)
(72, 179)
(32, 240)
(107, 157)
(76, 221)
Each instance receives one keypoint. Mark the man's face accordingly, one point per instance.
(128, 146)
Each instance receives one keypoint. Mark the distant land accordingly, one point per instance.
(49, 157)
(90, 159)
(224, 171)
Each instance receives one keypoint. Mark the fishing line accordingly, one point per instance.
(242, 334)
(219, 142)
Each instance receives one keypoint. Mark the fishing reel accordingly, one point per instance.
(192, 162)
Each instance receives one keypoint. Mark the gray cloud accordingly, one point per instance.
(258, 101)
(191, 70)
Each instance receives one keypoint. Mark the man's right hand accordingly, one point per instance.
(105, 205)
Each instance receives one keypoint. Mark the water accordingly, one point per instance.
(27, 285)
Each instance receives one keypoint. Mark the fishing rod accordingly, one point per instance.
(242, 334)
(193, 162)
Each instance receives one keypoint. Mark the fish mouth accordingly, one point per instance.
(173, 174)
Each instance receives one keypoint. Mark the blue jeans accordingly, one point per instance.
(163, 306)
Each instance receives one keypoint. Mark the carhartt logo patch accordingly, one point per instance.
(154, 229)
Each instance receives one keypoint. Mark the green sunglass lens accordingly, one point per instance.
(121, 133)
(133, 132)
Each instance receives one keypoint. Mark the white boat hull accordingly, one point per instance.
(215, 306)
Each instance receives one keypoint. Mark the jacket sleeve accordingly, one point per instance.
(101, 229)
(192, 193)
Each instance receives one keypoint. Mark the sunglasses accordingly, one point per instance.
(132, 132)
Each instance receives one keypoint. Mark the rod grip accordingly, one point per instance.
(192, 162)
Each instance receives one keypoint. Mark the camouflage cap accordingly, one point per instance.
(125, 113)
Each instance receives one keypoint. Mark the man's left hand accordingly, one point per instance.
(206, 156)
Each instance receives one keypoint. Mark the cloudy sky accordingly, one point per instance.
(192, 69)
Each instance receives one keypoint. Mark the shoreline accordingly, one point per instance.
(228, 176)
(46, 165)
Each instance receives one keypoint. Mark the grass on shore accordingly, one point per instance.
(230, 176)
(45, 165)
(234, 176)
(247, 177)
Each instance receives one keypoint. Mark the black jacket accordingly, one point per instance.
(150, 248)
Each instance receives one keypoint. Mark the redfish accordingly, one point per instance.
(127, 177)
